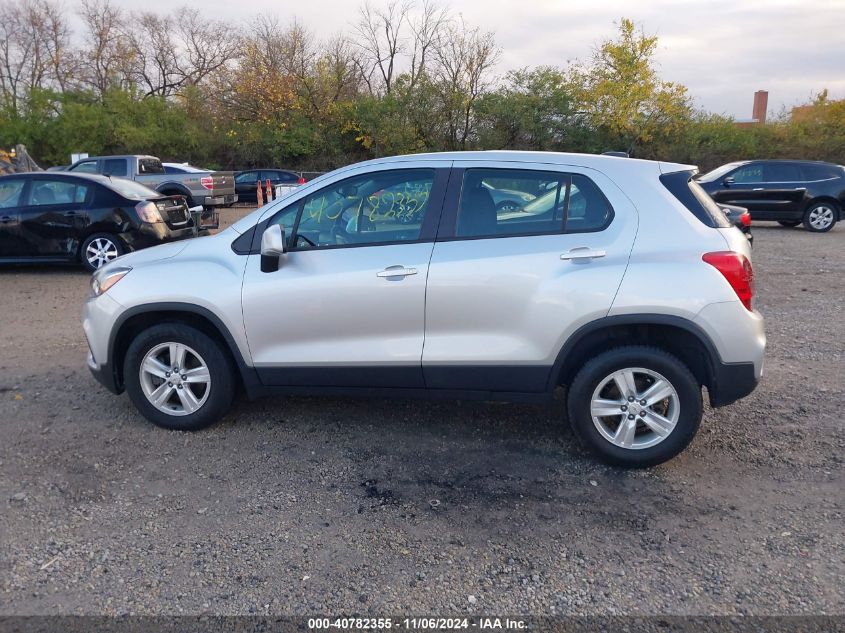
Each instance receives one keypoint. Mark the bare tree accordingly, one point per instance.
(166, 59)
(105, 61)
(463, 61)
(427, 29)
(380, 42)
(34, 49)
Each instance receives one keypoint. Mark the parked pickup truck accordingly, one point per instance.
(203, 188)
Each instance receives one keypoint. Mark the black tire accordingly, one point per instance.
(789, 223)
(96, 241)
(221, 388)
(597, 370)
(827, 210)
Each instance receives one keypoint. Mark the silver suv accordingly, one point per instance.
(617, 279)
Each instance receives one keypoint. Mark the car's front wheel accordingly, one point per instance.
(635, 406)
(820, 217)
(178, 377)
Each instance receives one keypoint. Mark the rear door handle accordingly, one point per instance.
(583, 252)
(757, 189)
(396, 271)
(71, 214)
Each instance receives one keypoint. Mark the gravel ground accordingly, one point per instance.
(331, 506)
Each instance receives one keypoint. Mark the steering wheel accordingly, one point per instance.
(300, 236)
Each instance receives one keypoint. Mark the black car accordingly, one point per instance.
(246, 181)
(57, 217)
(787, 191)
(740, 218)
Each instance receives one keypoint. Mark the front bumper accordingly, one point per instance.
(98, 316)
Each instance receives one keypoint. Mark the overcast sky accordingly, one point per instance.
(722, 50)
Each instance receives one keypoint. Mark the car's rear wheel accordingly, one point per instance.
(178, 377)
(789, 223)
(100, 249)
(820, 217)
(635, 406)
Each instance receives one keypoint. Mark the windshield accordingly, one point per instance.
(717, 173)
(132, 190)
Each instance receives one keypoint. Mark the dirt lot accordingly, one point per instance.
(313, 506)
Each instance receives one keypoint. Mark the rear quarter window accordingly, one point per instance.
(695, 199)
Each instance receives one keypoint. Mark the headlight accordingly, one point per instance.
(100, 283)
(148, 212)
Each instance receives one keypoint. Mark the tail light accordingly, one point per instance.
(148, 212)
(207, 182)
(745, 219)
(301, 181)
(736, 268)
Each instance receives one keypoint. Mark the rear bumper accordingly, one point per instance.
(218, 201)
(740, 342)
(159, 233)
(730, 382)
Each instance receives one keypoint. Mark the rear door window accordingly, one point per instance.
(58, 192)
(782, 172)
(514, 202)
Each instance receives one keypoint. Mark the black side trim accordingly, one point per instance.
(519, 378)
(396, 376)
(421, 394)
(248, 375)
(729, 381)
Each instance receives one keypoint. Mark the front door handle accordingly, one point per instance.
(71, 214)
(6, 219)
(584, 252)
(396, 271)
(757, 189)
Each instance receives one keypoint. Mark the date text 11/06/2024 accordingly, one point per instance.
(416, 624)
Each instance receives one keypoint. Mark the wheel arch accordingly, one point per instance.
(832, 200)
(171, 188)
(676, 335)
(135, 320)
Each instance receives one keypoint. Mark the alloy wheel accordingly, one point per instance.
(821, 217)
(100, 252)
(175, 379)
(635, 408)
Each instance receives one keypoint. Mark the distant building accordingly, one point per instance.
(758, 110)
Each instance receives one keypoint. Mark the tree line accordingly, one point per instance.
(402, 77)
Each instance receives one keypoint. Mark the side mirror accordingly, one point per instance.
(727, 182)
(272, 248)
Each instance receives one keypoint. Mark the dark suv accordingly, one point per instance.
(787, 191)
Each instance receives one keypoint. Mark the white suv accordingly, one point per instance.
(487, 275)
